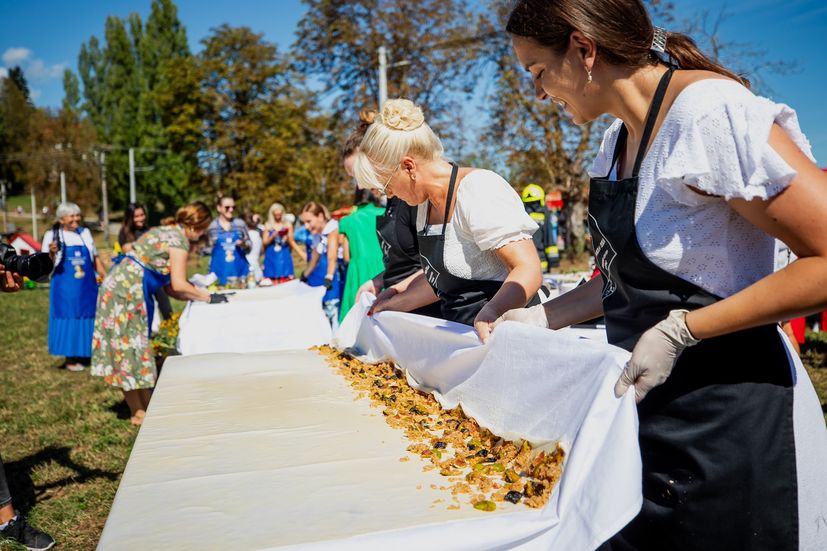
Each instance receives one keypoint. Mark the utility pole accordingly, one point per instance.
(104, 199)
(62, 187)
(383, 76)
(132, 192)
(3, 200)
(34, 216)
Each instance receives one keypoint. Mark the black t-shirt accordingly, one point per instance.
(122, 240)
(409, 245)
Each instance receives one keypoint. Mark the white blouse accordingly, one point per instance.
(714, 138)
(82, 237)
(488, 214)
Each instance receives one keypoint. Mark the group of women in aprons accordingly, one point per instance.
(688, 190)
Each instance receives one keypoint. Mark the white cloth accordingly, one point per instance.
(272, 451)
(488, 214)
(713, 138)
(254, 256)
(82, 237)
(810, 457)
(321, 247)
(784, 256)
(526, 383)
(283, 317)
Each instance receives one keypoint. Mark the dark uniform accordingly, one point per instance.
(544, 239)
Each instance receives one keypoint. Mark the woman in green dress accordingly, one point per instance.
(362, 251)
(121, 350)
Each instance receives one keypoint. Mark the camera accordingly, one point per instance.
(34, 266)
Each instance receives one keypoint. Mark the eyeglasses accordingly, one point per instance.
(229, 207)
(388, 181)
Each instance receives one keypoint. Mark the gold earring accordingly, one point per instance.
(588, 76)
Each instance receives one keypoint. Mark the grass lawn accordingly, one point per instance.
(65, 437)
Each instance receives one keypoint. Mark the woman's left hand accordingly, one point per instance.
(655, 355)
(484, 322)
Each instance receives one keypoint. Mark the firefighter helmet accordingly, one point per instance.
(532, 193)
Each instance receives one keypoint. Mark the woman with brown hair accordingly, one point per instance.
(121, 351)
(693, 180)
(324, 266)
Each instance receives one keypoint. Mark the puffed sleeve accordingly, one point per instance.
(86, 235)
(491, 212)
(47, 240)
(719, 145)
(602, 163)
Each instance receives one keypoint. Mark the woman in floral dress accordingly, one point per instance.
(121, 351)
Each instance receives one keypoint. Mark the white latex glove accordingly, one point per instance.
(536, 316)
(655, 355)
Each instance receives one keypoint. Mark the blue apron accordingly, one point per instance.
(316, 279)
(227, 259)
(73, 300)
(278, 262)
(152, 282)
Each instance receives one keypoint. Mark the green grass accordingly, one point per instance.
(65, 437)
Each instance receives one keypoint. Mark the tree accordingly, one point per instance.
(435, 43)
(71, 91)
(263, 143)
(61, 142)
(15, 113)
(535, 140)
(131, 95)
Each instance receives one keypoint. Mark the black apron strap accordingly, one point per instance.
(620, 145)
(451, 185)
(651, 117)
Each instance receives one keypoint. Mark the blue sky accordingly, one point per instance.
(45, 36)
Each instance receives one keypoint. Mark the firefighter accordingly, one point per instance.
(534, 201)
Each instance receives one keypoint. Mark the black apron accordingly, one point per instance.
(460, 299)
(399, 262)
(716, 439)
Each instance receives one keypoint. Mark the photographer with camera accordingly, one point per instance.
(74, 287)
(13, 526)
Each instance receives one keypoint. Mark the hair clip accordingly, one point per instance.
(659, 41)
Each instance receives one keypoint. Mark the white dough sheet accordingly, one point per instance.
(288, 316)
(525, 383)
(546, 385)
(274, 450)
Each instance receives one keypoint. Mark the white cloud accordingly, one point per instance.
(35, 69)
(13, 56)
(38, 71)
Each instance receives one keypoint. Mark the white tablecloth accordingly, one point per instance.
(283, 317)
(529, 383)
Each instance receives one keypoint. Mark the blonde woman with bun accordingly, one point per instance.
(121, 349)
(475, 239)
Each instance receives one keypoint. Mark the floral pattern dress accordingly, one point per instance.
(121, 350)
